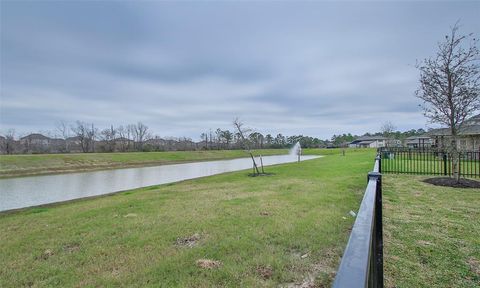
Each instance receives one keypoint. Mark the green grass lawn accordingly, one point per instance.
(24, 165)
(432, 234)
(290, 227)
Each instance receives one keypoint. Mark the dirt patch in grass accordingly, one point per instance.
(208, 263)
(265, 272)
(71, 247)
(321, 274)
(190, 241)
(451, 182)
(46, 254)
(474, 265)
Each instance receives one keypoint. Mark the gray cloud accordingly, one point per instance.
(183, 68)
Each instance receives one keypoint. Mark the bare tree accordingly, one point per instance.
(62, 128)
(9, 142)
(205, 136)
(140, 132)
(79, 130)
(86, 134)
(387, 129)
(109, 137)
(244, 134)
(123, 138)
(450, 85)
(131, 135)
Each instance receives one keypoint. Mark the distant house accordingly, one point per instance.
(57, 145)
(157, 144)
(369, 142)
(35, 139)
(39, 143)
(124, 144)
(468, 136)
(35, 143)
(74, 144)
(73, 140)
(419, 142)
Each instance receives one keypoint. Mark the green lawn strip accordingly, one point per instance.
(247, 223)
(24, 165)
(431, 234)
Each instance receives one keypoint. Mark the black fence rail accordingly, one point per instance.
(428, 161)
(362, 261)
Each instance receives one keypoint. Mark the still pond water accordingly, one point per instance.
(24, 192)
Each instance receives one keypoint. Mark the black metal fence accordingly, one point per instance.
(362, 261)
(428, 161)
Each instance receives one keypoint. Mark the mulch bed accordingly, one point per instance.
(451, 182)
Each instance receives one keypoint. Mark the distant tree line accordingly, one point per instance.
(82, 137)
(226, 139)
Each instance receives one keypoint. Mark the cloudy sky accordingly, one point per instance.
(314, 68)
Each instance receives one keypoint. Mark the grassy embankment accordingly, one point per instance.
(431, 234)
(27, 165)
(290, 227)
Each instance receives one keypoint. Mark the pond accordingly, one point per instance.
(24, 192)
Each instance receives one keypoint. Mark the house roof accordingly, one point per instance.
(367, 142)
(475, 120)
(35, 136)
(74, 138)
(368, 138)
(426, 137)
(471, 126)
(123, 139)
(156, 141)
(464, 131)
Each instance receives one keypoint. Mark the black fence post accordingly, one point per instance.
(377, 252)
(445, 164)
(459, 164)
(379, 158)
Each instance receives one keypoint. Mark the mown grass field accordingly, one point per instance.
(431, 234)
(287, 228)
(27, 165)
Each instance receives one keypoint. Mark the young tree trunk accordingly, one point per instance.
(241, 132)
(254, 163)
(455, 159)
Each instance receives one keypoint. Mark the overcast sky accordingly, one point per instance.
(312, 68)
